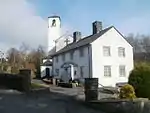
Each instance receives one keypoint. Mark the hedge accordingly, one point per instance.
(140, 79)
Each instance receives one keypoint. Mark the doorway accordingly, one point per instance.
(47, 73)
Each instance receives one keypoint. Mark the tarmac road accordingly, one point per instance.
(40, 102)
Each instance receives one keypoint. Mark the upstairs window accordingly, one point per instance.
(71, 55)
(121, 52)
(63, 57)
(56, 58)
(106, 51)
(81, 51)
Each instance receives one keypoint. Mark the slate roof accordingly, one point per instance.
(47, 57)
(82, 42)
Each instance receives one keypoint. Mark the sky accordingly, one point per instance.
(26, 20)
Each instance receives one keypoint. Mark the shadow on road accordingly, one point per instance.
(40, 101)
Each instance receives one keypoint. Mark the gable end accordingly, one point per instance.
(122, 36)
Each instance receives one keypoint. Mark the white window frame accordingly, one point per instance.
(121, 51)
(106, 51)
(107, 71)
(122, 70)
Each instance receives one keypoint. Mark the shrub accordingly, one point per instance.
(127, 92)
(140, 79)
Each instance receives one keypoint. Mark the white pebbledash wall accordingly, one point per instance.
(113, 39)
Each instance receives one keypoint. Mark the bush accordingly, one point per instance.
(140, 80)
(127, 92)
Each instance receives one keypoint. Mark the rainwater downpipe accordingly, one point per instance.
(90, 60)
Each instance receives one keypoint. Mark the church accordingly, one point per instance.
(105, 54)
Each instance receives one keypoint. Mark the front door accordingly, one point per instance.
(69, 72)
(47, 72)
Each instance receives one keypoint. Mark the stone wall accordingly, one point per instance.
(20, 81)
(122, 106)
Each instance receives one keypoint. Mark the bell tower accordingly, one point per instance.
(54, 27)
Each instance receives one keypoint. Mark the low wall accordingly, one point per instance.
(122, 106)
(20, 82)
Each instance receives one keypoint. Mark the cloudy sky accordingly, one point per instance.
(26, 20)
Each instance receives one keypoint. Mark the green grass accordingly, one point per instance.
(36, 86)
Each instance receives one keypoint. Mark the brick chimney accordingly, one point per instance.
(97, 27)
(76, 36)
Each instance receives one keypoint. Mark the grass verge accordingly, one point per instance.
(37, 86)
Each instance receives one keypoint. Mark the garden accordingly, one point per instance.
(139, 83)
(134, 96)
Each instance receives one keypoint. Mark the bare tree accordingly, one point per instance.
(24, 51)
(145, 41)
(35, 56)
(14, 59)
(141, 46)
(12, 55)
(135, 41)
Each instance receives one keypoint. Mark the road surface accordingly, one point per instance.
(40, 102)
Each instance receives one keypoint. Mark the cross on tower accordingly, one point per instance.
(66, 41)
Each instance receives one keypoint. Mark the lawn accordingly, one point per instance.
(37, 86)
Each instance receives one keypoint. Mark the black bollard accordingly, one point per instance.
(91, 89)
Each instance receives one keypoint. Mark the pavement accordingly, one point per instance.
(53, 101)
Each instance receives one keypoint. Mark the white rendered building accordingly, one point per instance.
(105, 55)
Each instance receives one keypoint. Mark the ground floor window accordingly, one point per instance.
(75, 72)
(57, 72)
(122, 71)
(81, 71)
(107, 71)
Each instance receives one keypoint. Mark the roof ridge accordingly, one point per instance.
(84, 41)
(98, 33)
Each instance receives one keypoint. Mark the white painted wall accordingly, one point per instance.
(113, 39)
(53, 32)
(43, 68)
(81, 61)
